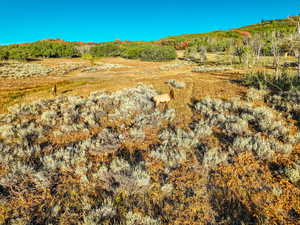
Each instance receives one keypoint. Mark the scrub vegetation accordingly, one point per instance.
(60, 49)
(82, 142)
(115, 159)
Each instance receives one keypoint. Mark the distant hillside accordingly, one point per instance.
(287, 25)
(163, 49)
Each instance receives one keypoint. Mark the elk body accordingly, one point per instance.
(163, 98)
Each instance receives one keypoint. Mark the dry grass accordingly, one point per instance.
(14, 91)
(220, 160)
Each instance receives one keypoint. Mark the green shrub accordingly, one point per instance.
(158, 53)
(191, 52)
(266, 50)
(131, 52)
(46, 49)
(18, 52)
(240, 52)
(66, 50)
(50, 49)
(4, 55)
(89, 57)
(146, 52)
(283, 81)
(106, 50)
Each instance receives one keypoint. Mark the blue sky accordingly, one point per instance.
(92, 20)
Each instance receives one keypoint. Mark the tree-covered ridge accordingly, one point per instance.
(220, 40)
(231, 41)
(282, 25)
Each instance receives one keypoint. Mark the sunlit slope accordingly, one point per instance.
(287, 25)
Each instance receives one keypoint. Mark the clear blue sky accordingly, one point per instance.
(97, 20)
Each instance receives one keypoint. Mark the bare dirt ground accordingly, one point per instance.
(198, 85)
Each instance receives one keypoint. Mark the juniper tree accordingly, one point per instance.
(244, 53)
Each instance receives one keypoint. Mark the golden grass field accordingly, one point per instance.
(219, 84)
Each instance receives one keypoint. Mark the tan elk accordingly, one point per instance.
(163, 98)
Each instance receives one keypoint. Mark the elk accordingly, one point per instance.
(163, 98)
(54, 90)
